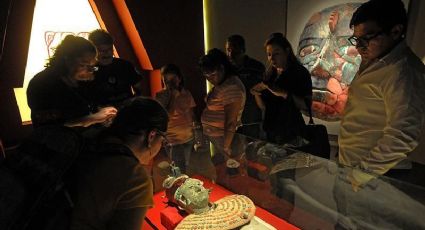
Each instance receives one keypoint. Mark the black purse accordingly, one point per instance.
(317, 136)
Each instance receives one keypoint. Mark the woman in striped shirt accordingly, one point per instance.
(224, 103)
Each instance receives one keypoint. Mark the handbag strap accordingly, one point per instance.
(308, 102)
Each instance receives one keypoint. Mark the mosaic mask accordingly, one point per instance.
(325, 51)
(188, 193)
(192, 196)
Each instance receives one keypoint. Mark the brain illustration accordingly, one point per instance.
(325, 51)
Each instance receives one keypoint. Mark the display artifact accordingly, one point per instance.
(189, 194)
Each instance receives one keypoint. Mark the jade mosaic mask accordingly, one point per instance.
(193, 196)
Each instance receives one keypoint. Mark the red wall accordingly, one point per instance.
(12, 65)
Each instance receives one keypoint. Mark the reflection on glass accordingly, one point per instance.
(311, 192)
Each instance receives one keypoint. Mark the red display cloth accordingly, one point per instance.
(259, 167)
(171, 217)
(146, 226)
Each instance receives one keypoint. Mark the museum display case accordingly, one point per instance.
(292, 190)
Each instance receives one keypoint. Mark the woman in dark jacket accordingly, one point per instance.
(287, 84)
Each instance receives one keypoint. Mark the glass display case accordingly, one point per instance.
(293, 189)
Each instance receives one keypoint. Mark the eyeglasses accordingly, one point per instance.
(90, 68)
(157, 131)
(363, 41)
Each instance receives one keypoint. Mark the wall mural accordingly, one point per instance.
(53, 38)
(325, 51)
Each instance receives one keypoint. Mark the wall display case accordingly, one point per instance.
(295, 190)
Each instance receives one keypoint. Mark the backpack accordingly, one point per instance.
(32, 179)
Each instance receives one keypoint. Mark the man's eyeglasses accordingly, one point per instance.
(157, 131)
(90, 68)
(363, 41)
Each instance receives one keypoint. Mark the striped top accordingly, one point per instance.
(228, 92)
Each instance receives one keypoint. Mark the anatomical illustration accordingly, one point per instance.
(325, 51)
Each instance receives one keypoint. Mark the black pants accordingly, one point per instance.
(415, 175)
(253, 130)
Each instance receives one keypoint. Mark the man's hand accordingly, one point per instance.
(358, 179)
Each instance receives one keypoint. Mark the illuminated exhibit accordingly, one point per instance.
(262, 185)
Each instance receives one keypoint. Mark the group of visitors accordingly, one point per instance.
(83, 86)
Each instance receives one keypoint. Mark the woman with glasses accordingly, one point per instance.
(113, 189)
(224, 103)
(287, 84)
(58, 94)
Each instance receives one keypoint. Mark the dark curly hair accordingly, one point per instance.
(71, 48)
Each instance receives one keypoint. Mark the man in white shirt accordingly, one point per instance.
(382, 125)
(385, 114)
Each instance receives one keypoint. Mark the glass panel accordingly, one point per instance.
(308, 191)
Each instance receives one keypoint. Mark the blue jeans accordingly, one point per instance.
(180, 154)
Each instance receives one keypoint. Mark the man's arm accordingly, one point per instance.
(231, 112)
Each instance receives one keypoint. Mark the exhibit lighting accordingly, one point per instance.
(206, 8)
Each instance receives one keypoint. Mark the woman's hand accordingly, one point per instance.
(258, 88)
(255, 92)
(227, 153)
(279, 93)
(104, 115)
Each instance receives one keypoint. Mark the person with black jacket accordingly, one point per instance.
(58, 94)
(286, 82)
